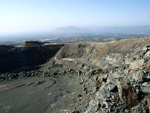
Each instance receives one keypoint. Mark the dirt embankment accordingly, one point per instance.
(99, 54)
(24, 58)
(30, 43)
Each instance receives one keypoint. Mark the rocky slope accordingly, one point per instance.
(99, 54)
(84, 78)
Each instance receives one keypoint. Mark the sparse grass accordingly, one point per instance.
(148, 92)
(104, 90)
(96, 70)
(104, 71)
(53, 75)
(114, 80)
(66, 91)
(79, 82)
(19, 77)
(87, 69)
(147, 68)
(72, 91)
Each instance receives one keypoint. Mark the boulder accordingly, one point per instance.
(147, 54)
(139, 76)
(136, 64)
(127, 95)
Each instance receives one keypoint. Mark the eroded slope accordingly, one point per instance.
(102, 55)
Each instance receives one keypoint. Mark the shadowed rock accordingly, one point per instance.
(127, 95)
(26, 58)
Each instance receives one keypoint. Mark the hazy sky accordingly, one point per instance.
(45, 15)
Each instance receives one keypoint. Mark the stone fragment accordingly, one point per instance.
(145, 89)
(127, 95)
(136, 64)
(111, 86)
(145, 84)
(63, 111)
(95, 78)
(147, 54)
(102, 78)
(144, 48)
(139, 76)
(96, 108)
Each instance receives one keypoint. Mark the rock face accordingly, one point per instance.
(26, 58)
(127, 95)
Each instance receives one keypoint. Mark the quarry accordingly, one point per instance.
(84, 77)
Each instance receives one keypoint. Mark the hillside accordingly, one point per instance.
(99, 54)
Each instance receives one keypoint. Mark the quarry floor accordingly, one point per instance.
(42, 95)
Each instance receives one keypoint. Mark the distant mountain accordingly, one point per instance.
(71, 29)
(135, 29)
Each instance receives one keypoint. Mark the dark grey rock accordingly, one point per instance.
(111, 86)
